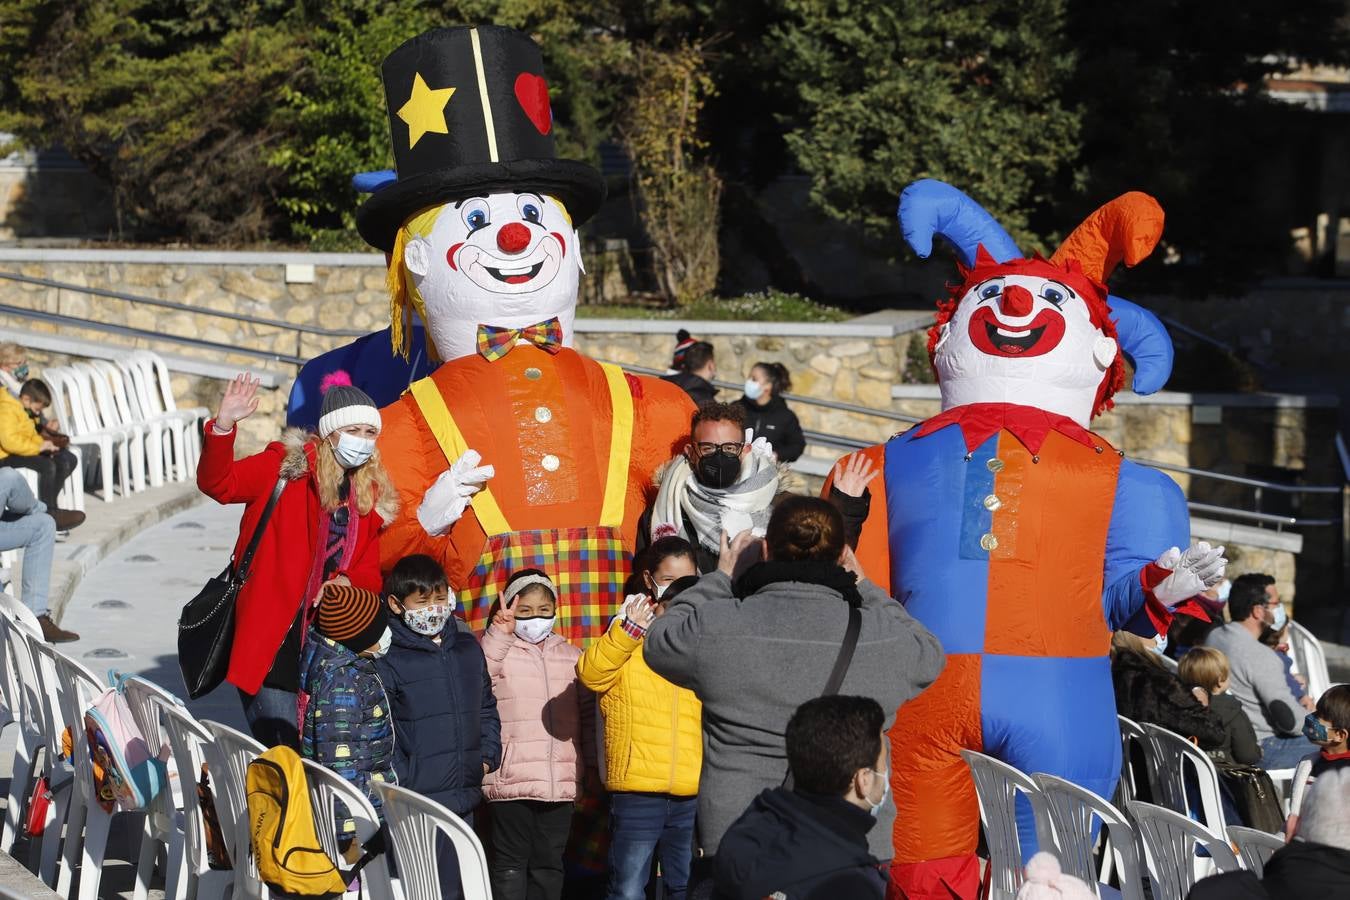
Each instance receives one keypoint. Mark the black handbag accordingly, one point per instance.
(1254, 796)
(206, 625)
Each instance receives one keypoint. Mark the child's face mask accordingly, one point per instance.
(382, 648)
(429, 620)
(536, 629)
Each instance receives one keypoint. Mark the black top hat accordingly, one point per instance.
(469, 114)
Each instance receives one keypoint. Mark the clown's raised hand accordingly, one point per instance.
(1197, 569)
(445, 501)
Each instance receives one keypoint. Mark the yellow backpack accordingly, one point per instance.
(290, 859)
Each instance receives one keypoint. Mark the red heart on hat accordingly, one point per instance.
(532, 95)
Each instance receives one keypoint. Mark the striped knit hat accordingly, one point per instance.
(344, 404)
(352, 617)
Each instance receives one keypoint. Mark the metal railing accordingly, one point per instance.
(840, 442)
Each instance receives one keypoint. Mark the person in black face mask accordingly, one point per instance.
(723, 480)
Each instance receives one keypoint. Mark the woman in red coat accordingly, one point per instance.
(325, 528)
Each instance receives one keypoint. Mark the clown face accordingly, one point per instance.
(507, 260)
(1023, 338)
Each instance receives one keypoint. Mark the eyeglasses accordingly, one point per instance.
(730, 448)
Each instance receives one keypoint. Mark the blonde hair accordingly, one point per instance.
(404, 298)
(370, 484)
(1203, 667)
(12, 353)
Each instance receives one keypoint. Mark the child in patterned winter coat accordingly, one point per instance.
(548, 740)
(345, 723)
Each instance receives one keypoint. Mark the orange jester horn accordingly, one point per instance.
(1125, 229)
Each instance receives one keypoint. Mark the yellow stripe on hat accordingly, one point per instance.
(483, 95)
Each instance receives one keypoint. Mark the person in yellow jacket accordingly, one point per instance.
(653, 736)
(23, 446)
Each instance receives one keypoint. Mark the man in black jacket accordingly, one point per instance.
(810, 842)
(696, 371)
(1313, 866)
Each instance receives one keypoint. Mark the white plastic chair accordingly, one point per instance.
(1171, 757)
(188, 741)
(1073, 813)
(162, 825)
(111, 417)
(158, 374)
(80, 689)
(413, 823)
(1254, 847)
(60, 772)
(183, 424)
(169, 430)
(227, 758)
(326, 788)
(1310, 660)
(74, 404)
(130, 413)
(1170, 840)
(997, 785)
(28, 712)
(1131, 733)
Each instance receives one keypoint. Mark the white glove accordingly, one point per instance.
(446, 500)
(760, 445)
(638, 610)
(1194, 571)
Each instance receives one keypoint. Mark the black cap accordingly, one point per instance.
(469, 114)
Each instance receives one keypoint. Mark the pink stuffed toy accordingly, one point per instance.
(1045, 881)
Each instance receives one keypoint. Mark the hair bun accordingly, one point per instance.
(682, 335)
(334, 379)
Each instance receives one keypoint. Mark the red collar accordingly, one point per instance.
(1333, 757)
(981, 421)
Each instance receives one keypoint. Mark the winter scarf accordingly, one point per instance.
(681, 495)
(830, 575)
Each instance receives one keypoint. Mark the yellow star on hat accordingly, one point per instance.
(425, 110)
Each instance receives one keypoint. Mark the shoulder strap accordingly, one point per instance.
(845, 658)
(841, 664)
(247, 561)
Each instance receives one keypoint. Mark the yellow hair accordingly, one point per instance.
(403, 291)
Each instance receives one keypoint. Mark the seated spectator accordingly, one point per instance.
(1313, 866)
(721, 483)
(25, 525)
(344, 719)
(756, 647)
(1204, 671)
(653, 745)
(695, 369)
(767, 413)
(1328, 726)
(1257, 674)
(1147, 692)
(1277, 639)
(810, 841)
(22, 446)
(1189, 631)
(13, 368)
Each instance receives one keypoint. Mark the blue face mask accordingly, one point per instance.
(1314, 730)
(885, 776)
(21, 373)
(1281, 618)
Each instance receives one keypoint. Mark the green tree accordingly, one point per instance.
(965, 92)
(171, 103)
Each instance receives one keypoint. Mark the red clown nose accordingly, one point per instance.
(515, 237)
(1016, 302)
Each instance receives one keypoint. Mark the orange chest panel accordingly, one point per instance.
(1046, 547)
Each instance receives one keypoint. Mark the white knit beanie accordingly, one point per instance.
(344, 404)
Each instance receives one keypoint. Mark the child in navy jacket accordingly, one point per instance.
(446, 727)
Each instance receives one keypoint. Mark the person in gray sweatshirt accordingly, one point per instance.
(757, 646)
(1257, 674)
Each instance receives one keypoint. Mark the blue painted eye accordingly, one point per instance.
(992, 289)
(531, 213)
(1054, 294)
(476, 216)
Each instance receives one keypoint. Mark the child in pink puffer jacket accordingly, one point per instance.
(548, 739)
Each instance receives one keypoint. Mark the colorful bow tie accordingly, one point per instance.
(495, 342)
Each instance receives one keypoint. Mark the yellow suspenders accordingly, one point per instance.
(490, 516)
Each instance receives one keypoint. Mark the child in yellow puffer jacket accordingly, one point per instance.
(653, 736)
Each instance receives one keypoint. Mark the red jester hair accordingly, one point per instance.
(1071, 273)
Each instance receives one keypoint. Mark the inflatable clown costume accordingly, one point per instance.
(1019, 537)
(515, 451)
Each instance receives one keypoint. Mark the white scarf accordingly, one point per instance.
(681, 495)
